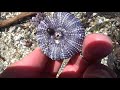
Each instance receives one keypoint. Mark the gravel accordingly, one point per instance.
(13, 40)
(19, 40)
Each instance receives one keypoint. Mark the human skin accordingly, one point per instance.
(38, 65)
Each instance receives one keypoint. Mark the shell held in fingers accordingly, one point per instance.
(61, 36)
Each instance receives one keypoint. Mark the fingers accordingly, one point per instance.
(75, 68)
(34, 65)
(99, 71)
(72, 70)
(29, 66)
(34, 59)
(52, 67)
(95, 47)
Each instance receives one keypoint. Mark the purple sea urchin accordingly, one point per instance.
(60, 36)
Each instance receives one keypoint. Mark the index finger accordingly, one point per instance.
(29, 66)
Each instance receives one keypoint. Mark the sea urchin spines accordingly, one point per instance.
(61, 36)
(39, 17)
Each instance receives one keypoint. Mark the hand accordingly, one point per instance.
(37, 65)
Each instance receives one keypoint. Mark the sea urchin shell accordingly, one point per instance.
(60, 36)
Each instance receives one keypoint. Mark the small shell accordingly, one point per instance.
(61, 36)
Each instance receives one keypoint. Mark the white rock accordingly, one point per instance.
(11, 29)
(100, 21)
(94, 14)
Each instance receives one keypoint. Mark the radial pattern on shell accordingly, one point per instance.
(60, 36)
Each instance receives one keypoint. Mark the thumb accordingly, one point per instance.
(96, 47)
